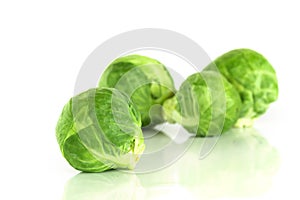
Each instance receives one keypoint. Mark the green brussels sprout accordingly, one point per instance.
(253, 77)
(100, 129)
(206, 104)
(145, 80)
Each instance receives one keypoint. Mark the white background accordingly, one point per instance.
(43, 45)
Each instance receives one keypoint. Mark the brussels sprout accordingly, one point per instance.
(206, 104)
(145, 80)
(100, 129)
(253, 77)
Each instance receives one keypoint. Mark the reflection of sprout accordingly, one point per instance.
(144, 79)
(253, 77)
(199, 111)
(112, 185)
(242, 164)
(99, 129)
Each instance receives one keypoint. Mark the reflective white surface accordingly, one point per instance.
(43, 45)
(242, 164)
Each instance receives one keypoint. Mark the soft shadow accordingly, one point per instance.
(161, 149)
(242, 164)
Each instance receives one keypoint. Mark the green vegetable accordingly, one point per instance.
(206, 104)
(145, 80)
(100, 129)
(253, 77)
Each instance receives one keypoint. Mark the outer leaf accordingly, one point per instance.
(100, 129)
(253, 77)
(145, 80)
(194, 108)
